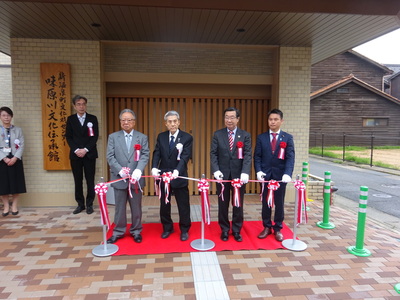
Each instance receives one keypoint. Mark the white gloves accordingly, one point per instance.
(244, 178)
(286, 178)
(260, 175)
(218, 175)
(136, 174)
(155, 172)
(175, 174)
(123, 173)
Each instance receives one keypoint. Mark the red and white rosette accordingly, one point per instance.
(282, 147)
(203, 187)
(273, 185)
(90, 128)
(237, 184)
(302, 203)
(166, 178)
(17, 143)
(179, 147)
(101, 191)
(239, 146)
(137, 148)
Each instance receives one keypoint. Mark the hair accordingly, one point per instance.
(233, 109)
(78, 97)
(171, 113)
(275, 111)
(127, 110)
(7, 110)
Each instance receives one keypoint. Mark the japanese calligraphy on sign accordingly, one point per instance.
(56, 107)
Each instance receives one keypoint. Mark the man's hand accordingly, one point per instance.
(244, 178)
(155, 172)
(136, 174)
(286, 178)
(218, 175)
(260, 175)
(175, 174)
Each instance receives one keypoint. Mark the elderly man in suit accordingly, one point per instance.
(127, 155)
(270, 164)
(171, 154)
(82, 132)
(231, 159)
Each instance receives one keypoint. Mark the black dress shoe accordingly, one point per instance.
(78, 210)
(14, 213)
(224, 236)
(166, 234)
(184, 236)
(5, 214)
(266, 232)
(237, 236)
(113, 239)
(137, 238)
(89, 210)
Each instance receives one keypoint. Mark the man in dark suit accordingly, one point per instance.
(231, 159)
(270, 163)
(171, 154)
(127, 148)
(82, 132)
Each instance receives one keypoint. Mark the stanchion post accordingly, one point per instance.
(294, 244)
(304, 178)
(359, 249)
(325, 224)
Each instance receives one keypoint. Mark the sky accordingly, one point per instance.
(384, 49)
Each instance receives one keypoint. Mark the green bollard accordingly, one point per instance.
(304, 178)
(397, 288)
(325, 224)
(359, 249)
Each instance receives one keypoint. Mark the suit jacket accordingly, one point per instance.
(269, 163)
(227, 161)
(118, 156)
(167, 161)
(15, 133)
(78, 136)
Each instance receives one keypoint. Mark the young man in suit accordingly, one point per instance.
(127, 148)
(269, 164)
(171, 154)
(231, 159)
(82, 132)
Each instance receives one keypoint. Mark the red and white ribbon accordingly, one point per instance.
(17, 142)
(134, 181)
(237, 184)
(203, 187)
(302, 203)
(137, 151)
(281, 154)
(240, 149)
(166, 178)
(273, 185)
(101, 191)
(90, 128)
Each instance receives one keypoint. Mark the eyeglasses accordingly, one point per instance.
(127, 120)
(230, 118)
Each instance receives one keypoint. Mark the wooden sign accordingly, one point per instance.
(56, 107)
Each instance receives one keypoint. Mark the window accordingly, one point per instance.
(342, 90)
(375, 122)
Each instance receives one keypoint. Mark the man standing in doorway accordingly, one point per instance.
(231, 159)
(274, 160)
(82, 132)
(171, 154)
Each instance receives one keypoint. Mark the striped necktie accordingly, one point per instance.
(230, 140)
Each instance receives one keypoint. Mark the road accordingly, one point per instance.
(383, 188)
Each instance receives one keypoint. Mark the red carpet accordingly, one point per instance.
(152, 242)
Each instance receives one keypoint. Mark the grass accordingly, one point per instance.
(350, 156)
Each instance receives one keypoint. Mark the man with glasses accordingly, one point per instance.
(82, 132)
(127, 155)
(231, 159)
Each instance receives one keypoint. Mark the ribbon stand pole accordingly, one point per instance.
(105, 249)
(295, 244)
(202, 244)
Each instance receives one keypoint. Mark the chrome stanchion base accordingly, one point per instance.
(294, 245)
(202, 244)
(105, 250)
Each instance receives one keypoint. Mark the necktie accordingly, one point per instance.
(171, 143)
(128, 141)
(82, 120)
(273, 142)
(230, 140)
